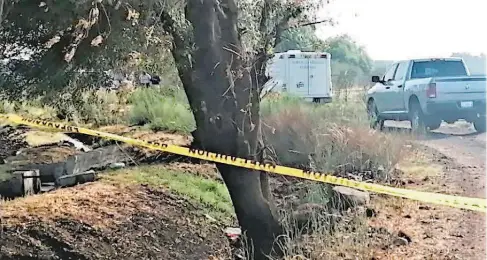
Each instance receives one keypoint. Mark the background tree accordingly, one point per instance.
(477, 64)
(345, 50)
(303, 38)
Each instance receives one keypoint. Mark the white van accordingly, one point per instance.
(303, 74)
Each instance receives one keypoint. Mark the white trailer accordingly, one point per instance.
(303, 74)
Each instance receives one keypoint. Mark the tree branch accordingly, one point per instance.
(2, 2)
(264, 17)
(181, 47)
(283, 24)
(312, 23)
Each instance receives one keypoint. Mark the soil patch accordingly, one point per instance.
(108, 221)
(432, 231)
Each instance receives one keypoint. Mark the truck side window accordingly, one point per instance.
(390, 73)
(401, 71)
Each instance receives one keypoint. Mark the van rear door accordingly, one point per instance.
(298, 70)
(320, 75)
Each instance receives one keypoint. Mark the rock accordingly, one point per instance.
(370, 212)
(72, 169)
(405, 236)
(400, 242)
(233, 233)
(77, 144)
(402, 239)
(380, 169)
(117, 165)
(212, 219)
(78, 178)
(344, 198)
(308, 214)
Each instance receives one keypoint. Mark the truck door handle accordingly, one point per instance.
(388, 87)
(400, 86)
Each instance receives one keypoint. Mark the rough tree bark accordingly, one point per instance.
(225, 103)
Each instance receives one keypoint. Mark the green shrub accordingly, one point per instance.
(160, 112)
(101, 107)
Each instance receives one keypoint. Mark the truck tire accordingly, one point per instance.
(416, 117)
(433, 123)
(479, 124)
(373, 116)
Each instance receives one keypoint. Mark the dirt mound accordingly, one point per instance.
(108, 221)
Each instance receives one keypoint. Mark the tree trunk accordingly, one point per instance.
(225, 104)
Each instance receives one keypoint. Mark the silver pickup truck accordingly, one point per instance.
(427, 92)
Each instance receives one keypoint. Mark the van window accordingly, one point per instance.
(438, 68)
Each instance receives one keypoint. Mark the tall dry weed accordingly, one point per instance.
(331, 137)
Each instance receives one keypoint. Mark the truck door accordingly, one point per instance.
(298, 75)
(394, 95)
(381, 101)
(319, 76)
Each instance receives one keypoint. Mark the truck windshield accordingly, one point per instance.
(438, 68)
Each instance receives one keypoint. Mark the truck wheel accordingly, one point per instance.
(433, 124)
(479, 124)
(373, 116)
(416, 118)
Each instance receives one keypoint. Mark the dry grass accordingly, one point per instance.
(39, 138)
(45, 154)
(98, 204)
(357, 237)
(175, 139)
(333, 137)
(423, 173)
(348, 240)
(148, 135)
(205, 170)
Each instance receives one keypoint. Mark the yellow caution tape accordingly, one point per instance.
(476, 204)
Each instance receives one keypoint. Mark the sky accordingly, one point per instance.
(406, 29)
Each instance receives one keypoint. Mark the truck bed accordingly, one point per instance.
(467, 88)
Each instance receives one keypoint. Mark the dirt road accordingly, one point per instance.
(467, 149)
(464, 159)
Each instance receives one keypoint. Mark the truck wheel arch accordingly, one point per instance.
(369, 101)
(412, 100)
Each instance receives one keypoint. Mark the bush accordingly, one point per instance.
(331, 137)
(31, 108)
(161, 110)
(101, 107)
